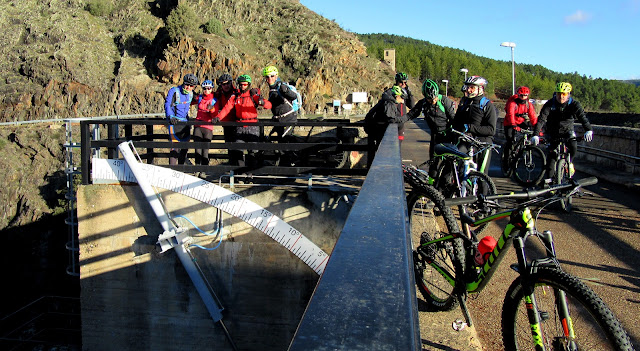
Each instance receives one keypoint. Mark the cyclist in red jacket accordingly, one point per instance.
(520, 113)
(244, 105)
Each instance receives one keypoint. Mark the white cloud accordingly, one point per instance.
(577, 17)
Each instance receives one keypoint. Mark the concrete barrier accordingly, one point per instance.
(134, 297)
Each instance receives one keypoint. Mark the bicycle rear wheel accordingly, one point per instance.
(430, 219)
(529, 166)
(478, 183)
(594, 325)
(562, 176)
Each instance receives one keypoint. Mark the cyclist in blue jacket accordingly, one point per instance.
(176, 110)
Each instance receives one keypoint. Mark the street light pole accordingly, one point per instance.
(446, 86)
(465, 72)
(511, 45)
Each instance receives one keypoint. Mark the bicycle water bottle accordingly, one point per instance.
(485, 248)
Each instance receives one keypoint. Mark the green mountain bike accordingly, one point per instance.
(545, 308)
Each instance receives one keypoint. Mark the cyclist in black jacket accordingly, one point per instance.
(280, 97)
(438, 112)
(557, 116)
(477, 116)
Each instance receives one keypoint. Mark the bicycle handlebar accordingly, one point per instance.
(475, 141)
(526, 195)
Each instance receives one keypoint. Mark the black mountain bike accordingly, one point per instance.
(564, 170)
(524, 161)
(457, 173)
(545, 308)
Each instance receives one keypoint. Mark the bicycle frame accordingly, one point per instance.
(520, 220)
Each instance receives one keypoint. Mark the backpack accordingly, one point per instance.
(483, 103)
(370, 119)
(297, 102)
(176, 99)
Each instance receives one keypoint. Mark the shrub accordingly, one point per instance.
(99, 8)
(213, 26)
(182, 21)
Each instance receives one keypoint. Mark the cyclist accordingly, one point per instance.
(401, 81)
(477, 116)
(205, 102)
(243, 107)
(280, 96)
(557, 117)
(390, 109)
(176, 110)
(222, 95)
(520, 113)
(438, 112)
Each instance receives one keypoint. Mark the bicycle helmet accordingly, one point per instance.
(401, 77)
(430, 89)
(523, 91)
(190, 79)
(207, 84)
(226, 77)
(476, 80)
(244, 78)
(396, 90)
(269, 70)
(563, 87)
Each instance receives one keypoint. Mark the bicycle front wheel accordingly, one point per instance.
(505, 162)
(530, 166)
(436, 265)
(562, 176)
(590, 324)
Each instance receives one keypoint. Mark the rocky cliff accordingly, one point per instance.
(101, 57)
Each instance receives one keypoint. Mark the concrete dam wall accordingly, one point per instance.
(134, 297)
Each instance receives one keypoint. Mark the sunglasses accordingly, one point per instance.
(271, 75)
(189, 85)
(225, 83)
(208, 88)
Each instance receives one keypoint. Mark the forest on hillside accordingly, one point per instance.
(422, 59)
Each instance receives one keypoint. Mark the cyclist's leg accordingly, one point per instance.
(553, 158)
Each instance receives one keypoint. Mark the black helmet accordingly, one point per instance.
(401, 77)
(430, 89)
(226, 77)
(190, 79)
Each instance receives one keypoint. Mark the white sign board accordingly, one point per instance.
(359, 96)
(347, 106)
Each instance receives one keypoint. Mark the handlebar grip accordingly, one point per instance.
(456, 201)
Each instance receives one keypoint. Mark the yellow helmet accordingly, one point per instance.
(269, 70)
(563, 87)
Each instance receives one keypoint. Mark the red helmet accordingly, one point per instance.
(523, 91)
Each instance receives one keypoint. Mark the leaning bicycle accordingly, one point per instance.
(524, 161)
(545, 308)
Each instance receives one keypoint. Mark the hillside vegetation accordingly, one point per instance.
(422, 59)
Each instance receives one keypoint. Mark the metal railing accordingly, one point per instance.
(366, 299)
(156, 146)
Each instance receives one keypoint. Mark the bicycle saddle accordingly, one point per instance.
(449, 149)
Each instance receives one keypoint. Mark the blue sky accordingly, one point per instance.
(594, 38)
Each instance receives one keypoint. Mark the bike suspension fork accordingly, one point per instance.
(531, 306)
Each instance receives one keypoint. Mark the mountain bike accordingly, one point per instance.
(564, 169)
(457, 174)
(524, 161)
(325, 152)
(545, 308)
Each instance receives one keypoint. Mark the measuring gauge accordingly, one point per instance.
(219, 197)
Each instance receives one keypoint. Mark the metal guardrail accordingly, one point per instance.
(366, 299)
(155, 143)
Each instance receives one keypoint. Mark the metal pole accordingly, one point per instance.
(513, 73)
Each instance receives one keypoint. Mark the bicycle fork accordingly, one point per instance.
(535, 316)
